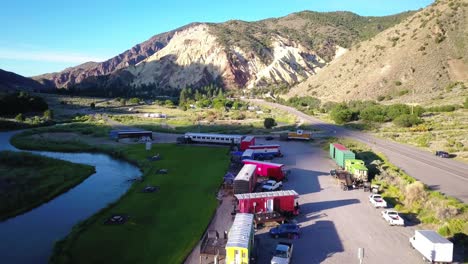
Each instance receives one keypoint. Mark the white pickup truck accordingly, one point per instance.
(272, 185)
(393, 218)
(377, 201)
(283, 253)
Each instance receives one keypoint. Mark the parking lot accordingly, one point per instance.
(334, 223)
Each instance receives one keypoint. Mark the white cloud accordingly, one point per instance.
(46, 56)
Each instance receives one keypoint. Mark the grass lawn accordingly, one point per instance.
(28, 180)
(164, 226)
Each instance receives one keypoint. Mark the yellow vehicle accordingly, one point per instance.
(357, 168)
(240, 240)
(299, 134)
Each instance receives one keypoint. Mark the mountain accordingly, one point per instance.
(10, 81)
(423, 58)
(235, 54)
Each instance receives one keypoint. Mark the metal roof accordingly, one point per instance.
(239, 234)
(263, 162)
(339, 146)
(246, 172)
(248, 153)
(248, 138)
(434, 237)
(264, 146)
(244, 196)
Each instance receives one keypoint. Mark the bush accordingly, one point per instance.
(15, 103)
(396, 110)
(465, 104)
(19, 117)
(238, 116)
(269, 123)
(92, 105)
(169, 103)
(341, 114)
(398, 83)
(443, 108)
(407, 120)
(415, 193)
(134, 100)
(48, 115)
(380, 98)
(375, 113)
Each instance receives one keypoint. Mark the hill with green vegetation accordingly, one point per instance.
(423, 59)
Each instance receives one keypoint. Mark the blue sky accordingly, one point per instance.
(50, 35)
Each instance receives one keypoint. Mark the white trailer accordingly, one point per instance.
(432, 246)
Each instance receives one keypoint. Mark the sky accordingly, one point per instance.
(42, 36)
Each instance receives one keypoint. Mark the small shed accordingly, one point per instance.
(245, 180)
(277, 201)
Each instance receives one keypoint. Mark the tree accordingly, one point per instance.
(396, 110)
(134, 100)
(168, 103)
(92, 105)
(19, 117)
(269, 123)
(48, 114)
(407, 120)
(374, 113)
(183, 96)
(341, 114)
(465, 104)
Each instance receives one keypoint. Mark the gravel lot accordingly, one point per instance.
(335, 223)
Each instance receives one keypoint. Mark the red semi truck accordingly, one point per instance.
(275, 171)
(247, 142)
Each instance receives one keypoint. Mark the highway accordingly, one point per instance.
(445, 175)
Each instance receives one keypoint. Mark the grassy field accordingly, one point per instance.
(28, 180)
(430, 208)
(164, 226)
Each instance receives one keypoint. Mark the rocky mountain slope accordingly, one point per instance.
(10, 81)
(236, 54)
(423, 58)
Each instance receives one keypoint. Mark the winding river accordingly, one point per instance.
(30, 237)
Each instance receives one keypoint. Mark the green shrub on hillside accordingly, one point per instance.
(15, 103)
(341, 114)
(407, 120)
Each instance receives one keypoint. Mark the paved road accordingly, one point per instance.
(335, 223)
(448, 176)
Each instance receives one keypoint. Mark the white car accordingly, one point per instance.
(271, 185)
(393, 218)
(377, 201)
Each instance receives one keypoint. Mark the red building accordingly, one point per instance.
(257, 203)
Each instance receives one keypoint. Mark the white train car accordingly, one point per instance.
(213, 138)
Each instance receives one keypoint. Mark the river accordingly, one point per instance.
(30, 237)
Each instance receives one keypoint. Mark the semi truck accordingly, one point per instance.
(247, 142)
(267, 149)
(433, 247)
(245, 180)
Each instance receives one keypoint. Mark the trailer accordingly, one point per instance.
(240, 243)
(340, 153)
(268, 206)
(119, 134)
(298, 134)
(212, 138)
(247, 142)
(432, 246)
(267, 149)
(246, 179)
(248, 154)
(275, 171)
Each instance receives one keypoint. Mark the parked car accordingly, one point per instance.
(269, 138)
(333, 172)
(282, 253)
(393, 218)
(271, 185)
(285, 230)
(377, 201)
(442, 154)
